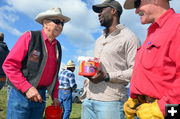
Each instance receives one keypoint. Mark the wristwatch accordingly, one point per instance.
(107, 77)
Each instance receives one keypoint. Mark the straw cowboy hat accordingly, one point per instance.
(53, 12)
(129, 4)
(70, 63)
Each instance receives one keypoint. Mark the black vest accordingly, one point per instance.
(35, 60)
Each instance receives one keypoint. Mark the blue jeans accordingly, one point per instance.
(93, 109)
(65, 99)
(19, 107)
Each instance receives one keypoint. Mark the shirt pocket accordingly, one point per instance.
(34, 61)
(150, 56)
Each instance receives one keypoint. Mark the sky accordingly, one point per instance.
(78, 36)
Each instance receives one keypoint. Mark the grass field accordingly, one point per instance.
(75, 114)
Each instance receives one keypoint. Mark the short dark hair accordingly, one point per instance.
(119, 14)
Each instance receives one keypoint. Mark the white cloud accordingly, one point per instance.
(79, 37)
(8, 16)
(83, 21)
(31, 7)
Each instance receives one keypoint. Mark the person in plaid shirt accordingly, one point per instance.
(67, 84)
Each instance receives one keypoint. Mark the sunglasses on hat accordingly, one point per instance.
(137, 3)
(57, 21)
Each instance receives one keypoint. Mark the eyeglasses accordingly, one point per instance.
(57, 21)
(137, 3)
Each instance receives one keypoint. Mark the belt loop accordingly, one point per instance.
(3, 79)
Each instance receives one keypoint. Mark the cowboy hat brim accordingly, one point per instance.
(41, 16)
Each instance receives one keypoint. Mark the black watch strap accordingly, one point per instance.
(107, 77)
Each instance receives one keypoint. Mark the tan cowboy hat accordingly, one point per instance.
(70, 63)
(53, 12)
(129, 4)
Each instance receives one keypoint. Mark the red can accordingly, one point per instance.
(88, 66)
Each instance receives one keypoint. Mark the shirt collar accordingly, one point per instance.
(119, 27)
(163, 18)
(46, 38)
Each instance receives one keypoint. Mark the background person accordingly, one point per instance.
(156, 77)
(3, 53)
(32, 66)
(67, 84)
(85, 87)
(116, 49)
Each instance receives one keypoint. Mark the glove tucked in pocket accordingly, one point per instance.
(149, 111)
(130, 108)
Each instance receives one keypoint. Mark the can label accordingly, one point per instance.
(88, 66)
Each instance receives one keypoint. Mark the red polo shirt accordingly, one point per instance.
(51, 62)
(157, 64)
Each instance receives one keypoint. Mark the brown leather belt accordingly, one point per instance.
(145, 99)
(3, 79)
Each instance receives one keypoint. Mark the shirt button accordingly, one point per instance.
(149, 43)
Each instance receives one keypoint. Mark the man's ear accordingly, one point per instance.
(113, 11)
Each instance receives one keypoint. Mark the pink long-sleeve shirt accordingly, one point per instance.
(13, 63)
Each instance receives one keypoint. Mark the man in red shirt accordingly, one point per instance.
(32, 66)
(156, 76)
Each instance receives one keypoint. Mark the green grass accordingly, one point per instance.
(76, 111)
(3, 102)
(75, 114)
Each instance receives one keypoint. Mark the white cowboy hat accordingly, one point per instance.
(53, 12)
(70, 63)
(129, 4)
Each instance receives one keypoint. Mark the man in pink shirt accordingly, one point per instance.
(156, 76)
(32, 66)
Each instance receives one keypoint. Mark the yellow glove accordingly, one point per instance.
(130, 108)
(149, 111)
